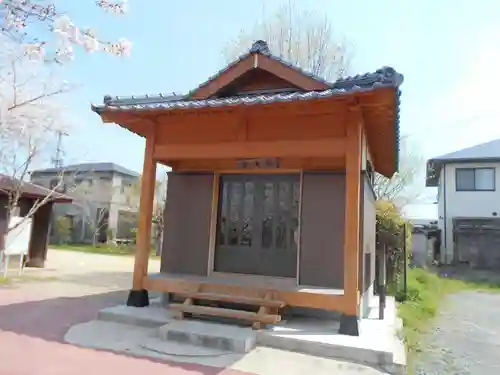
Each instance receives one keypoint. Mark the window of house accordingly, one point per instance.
(57, 185)
(475, 179)
(125, 185)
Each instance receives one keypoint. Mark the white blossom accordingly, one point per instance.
(34, 51)
(15, 14)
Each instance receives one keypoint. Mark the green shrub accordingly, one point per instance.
(62, 229)
(424, 293)
(393, 234)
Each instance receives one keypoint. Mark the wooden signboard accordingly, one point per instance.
(263, 163)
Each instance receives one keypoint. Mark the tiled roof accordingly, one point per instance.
(261, 47)
(489, 151)
(385, 77)
(382, 78)
(29, 190)
(90, 167)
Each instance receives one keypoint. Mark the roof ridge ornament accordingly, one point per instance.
(260, 46)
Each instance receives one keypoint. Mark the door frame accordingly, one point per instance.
(265, 281)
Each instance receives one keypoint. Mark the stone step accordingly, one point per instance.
(210, 335)
(148, 317)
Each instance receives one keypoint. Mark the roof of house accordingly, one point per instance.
(90, 167)
(29, 190)
(489, 151)
(383, 78)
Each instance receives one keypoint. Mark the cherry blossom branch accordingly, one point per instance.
(16, 15)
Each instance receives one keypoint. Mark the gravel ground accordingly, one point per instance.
(466, 337)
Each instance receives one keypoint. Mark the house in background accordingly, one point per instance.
(468, 183)
(29, 195)
(425, 242)
(105, 201)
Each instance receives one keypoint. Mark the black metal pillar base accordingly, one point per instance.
(349, 325)
(138, 298)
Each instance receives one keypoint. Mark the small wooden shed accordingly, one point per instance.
(270, 198)
(29, 196)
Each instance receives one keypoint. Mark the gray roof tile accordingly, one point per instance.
(29, 190)
(382, 78)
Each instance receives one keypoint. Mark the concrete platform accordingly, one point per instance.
(140, 341)
(377, 346)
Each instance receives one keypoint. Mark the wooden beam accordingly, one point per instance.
(318, 299)
(143, 248)
(333, 147)
(352, 214)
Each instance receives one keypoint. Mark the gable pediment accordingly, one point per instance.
(257, 70)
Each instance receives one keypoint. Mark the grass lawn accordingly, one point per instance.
(101, 249)
(426, 291)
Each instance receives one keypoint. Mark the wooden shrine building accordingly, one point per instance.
(270, 201)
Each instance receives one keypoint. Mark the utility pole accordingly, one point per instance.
(57, 160)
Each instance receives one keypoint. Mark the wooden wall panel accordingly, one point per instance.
(296, 127)
(209, 129)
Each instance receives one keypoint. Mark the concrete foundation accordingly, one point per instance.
(377, 345)
(209, 335)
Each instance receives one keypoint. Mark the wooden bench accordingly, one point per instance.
(268, 312)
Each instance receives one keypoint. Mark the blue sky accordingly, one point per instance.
(448, 51)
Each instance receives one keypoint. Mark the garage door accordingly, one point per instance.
(477, 242)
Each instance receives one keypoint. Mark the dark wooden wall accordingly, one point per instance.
(40, 230)
(187, 223)
(187, 227)
(368, 240)
(322, 230)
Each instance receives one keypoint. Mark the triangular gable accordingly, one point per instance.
(258, 58)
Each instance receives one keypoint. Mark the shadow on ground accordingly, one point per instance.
(50, 319)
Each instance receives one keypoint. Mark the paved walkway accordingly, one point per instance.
(466, 337)
(35, 315)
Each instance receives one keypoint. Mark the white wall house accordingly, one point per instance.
(105, 196)
(468, 183)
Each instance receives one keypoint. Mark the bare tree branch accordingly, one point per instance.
(30, 117)
(306, 39)
(401, 189)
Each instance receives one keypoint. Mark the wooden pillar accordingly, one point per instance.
(138, 296)
(40, 230)
(349, 319)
